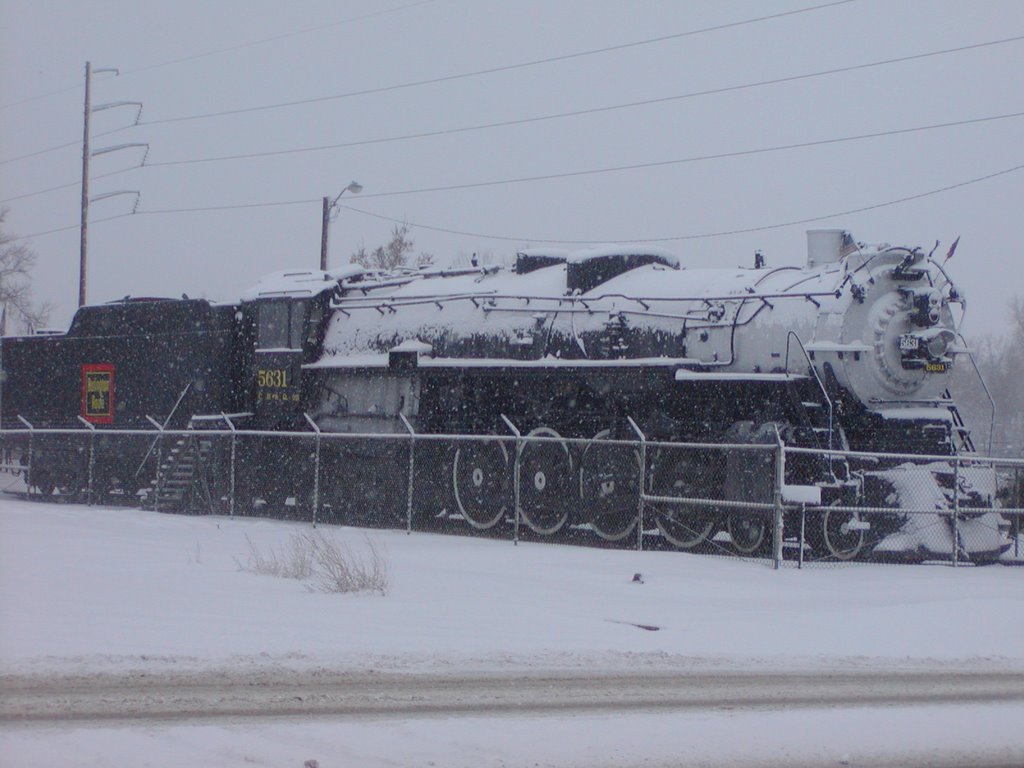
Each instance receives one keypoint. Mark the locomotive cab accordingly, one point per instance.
(284, 314)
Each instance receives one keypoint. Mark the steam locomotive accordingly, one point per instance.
(853, 351)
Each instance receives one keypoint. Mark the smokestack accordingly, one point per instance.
(824, 246)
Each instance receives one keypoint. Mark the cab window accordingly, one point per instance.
(280, 325)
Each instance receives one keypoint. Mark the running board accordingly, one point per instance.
(686, 375)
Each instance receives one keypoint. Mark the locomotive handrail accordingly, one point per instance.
(817, 378)
(367, 303)
(162, 428)
(642, 313)
(160, 432)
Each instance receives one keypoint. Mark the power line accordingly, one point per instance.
(569, 174)
(524, 239)
(239, 206)
(703, 235)
(692, 159)
(417, 83)
(504, 68)
(589, 171)
(54, 148)
(229, 49)
(282, 36)
(65, 186)
(70, 227)
(618, 168)
(580, 112)
(40, 152)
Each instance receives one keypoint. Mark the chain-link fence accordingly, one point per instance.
(752, 497)
(915, 508)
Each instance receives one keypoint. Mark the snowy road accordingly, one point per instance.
(234, 695)
(133, 638)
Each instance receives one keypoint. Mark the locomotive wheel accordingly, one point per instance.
(837, 539)
(608, 482)
(681, 474)
(545, 483)
(480, 482)
(749, 532)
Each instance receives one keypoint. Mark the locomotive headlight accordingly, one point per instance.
(938, 345)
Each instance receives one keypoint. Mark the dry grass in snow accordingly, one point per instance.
(328, 564)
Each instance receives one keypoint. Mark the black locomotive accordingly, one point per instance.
(574, 353)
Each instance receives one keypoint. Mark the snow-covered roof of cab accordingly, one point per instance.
(291, 283)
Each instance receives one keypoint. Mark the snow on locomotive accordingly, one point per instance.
(852, 351)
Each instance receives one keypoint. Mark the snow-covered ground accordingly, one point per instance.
(118, 594)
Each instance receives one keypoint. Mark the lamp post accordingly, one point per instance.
(329, 205)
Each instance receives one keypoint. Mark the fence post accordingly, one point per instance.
(803, 530)
(641, 485)
(956, 511)
(316, 468)
(1017, 517)
(412, 467)
(28, 468)
(92, 458)
(780, 479)
(231, 492)
(515, 476)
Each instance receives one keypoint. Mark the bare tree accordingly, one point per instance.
(16, 263)
(1000, 358)
(1017, 320)
(393, 254)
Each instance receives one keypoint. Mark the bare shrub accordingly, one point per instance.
(339, 569)
(294, 562)
(331, 565)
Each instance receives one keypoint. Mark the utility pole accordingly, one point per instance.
(323, 234)
(87, 153)
(83, 248)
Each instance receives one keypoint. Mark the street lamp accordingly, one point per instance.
(329, 205)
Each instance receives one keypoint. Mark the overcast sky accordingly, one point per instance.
(189, 58)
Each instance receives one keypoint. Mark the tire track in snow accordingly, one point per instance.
(237, 695)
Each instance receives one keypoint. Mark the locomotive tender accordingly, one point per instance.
(853, 351)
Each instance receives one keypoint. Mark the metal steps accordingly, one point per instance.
(178, 480)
